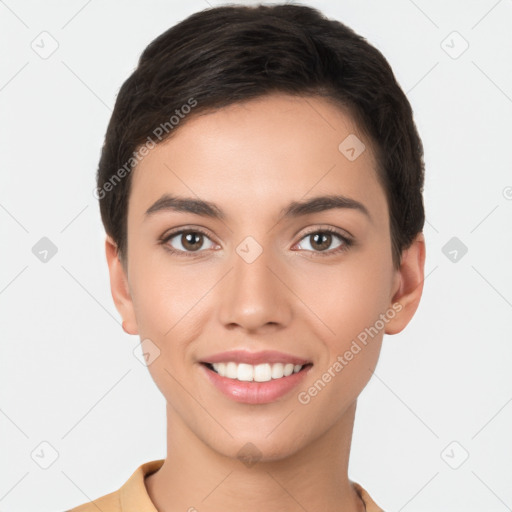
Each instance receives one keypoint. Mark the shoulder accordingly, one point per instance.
(369, 503)
(108, 503)
(131, 496)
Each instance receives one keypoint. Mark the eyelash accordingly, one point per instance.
(347, 242)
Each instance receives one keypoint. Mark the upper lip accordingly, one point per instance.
(265, 356)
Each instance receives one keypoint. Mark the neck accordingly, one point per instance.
(195, 477)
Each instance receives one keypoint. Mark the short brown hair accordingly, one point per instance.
(228, 54)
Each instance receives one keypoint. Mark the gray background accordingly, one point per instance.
(442, 390)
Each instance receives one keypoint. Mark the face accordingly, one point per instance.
(251, 274)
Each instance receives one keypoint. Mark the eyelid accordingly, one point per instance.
(347, 239)
(183, 229)
(168, 235)
(337, 231)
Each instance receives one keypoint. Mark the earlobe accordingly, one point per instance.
(119, 287)
(408, 291)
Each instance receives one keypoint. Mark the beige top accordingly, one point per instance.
(133, 496)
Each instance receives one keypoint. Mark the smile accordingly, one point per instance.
(243, 386)
(255, 373)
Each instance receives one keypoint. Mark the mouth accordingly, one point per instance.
(263, 372)
(259, 384)
(255, 377)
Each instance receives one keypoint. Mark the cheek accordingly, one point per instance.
(350, 305)
(165, 293)
(166, 301)
(337, 299)
(347, 297)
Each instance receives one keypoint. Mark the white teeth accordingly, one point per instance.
(231, 370)
(276, 370)
(257, 373)
(245, 372)
(262, 372)
(288, 369)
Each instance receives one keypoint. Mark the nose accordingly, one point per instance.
(254, 296)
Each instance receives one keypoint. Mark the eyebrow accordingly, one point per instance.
(294, 209)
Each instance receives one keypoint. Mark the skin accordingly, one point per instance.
(252, 159)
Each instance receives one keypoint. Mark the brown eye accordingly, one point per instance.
(191, 241)
(321, 241)
(186, 242)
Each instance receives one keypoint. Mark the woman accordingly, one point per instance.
(261, 190)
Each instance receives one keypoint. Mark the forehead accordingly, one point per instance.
(258, 154)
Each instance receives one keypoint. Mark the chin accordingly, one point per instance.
(250, 450)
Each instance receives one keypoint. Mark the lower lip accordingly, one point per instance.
(255, 392)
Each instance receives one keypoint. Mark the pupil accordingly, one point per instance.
(191, 244)
(326, 237)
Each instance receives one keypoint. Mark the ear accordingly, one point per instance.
(409, 285)
(119, 287)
